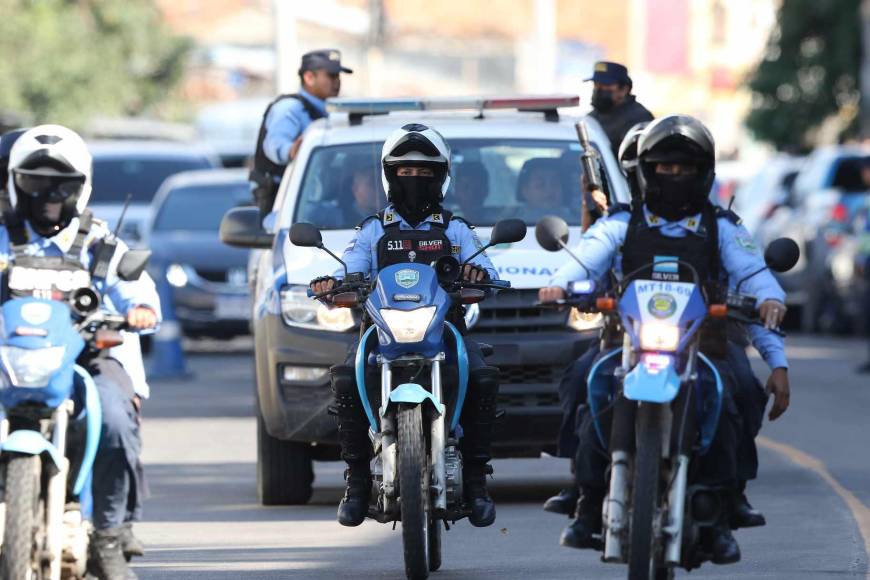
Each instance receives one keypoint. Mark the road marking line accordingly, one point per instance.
(860, 512)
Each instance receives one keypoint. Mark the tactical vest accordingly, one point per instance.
(46, 277)
(398, 246)
(264, 165)
(643, 244)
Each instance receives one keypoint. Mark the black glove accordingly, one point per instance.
(320, 280)
(475, 274)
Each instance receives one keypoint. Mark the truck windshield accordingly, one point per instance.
(492, 179)
(200, 207)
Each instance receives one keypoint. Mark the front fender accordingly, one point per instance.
(411, 394)
(653, 383)
(29, 442)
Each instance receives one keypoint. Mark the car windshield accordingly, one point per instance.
(492, 179)
(115, 178)
(200, 207)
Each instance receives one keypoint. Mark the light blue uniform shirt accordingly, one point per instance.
(285, 122)
(599, 247)
(118, 295)
(361, 254)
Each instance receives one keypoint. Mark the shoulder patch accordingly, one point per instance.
(745, 241)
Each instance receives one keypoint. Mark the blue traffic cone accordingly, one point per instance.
(167, 356)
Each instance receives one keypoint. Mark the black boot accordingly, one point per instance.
(106, 558)
(723, 547)
(355, 504)
(130, 545)
(478, 419)
(563, 503)
(581, 532)
(356, 450)
(743, 515)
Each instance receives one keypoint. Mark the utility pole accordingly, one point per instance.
(865, 69)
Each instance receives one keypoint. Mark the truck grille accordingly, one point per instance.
(527, 374)
(528, 400)
(514, 311)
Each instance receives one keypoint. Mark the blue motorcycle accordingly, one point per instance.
(417, 467)
(50, 419)
(652, 411)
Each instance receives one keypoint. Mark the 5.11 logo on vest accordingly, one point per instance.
(399, 245)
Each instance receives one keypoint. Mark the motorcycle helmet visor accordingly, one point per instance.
(36, 183)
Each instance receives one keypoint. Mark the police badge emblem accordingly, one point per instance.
(407, 278)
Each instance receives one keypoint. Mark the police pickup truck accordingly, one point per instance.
(514, 157)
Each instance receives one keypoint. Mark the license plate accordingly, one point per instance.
(233, 307)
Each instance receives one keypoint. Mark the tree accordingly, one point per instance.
(809, 74)
(65, 61)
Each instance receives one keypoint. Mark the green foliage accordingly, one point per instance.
(65, 61)
(809, 74)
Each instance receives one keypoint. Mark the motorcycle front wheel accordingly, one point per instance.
(645, 493)
(413, 470)
(22, 518)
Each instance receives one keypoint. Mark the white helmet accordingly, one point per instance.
(50, 163)
(416, 145)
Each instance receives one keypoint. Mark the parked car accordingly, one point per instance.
(297, 339)
(208, 279)
(828, 192)
(137, 169)
(758, 198)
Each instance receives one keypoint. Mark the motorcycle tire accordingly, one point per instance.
(413, 470)
(645, 493)
(22, 518)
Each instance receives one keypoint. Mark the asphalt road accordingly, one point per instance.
(204, 522)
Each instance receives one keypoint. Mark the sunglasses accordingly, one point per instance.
(53, 186)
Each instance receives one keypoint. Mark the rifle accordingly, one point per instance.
(591, 168)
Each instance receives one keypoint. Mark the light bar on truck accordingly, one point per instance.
(539, 103)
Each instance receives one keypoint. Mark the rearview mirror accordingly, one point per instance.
(242, 227)
(782, 254)
(507, 231)
(551, 233)
(305, 235)
(132, 264)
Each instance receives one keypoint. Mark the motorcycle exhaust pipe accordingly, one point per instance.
(676, 512)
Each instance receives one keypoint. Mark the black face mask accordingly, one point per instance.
(602, 101)
(44, 220)
(415, 198)
(677, 196)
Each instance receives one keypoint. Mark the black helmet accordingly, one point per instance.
(676, 139)
(7, 140)
(628, 158)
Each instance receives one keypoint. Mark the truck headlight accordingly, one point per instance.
(297, 309)
(408, 325)
(663, 337)
(31, 367)
(581, 321)
(176, 275)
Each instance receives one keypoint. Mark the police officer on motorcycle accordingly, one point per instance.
(47, 228)
(415, 227)
(572, 388)
(676, 167)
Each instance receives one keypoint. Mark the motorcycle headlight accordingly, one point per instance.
(298, 309)
(663, 337)
(408, 325)
(31, 367)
